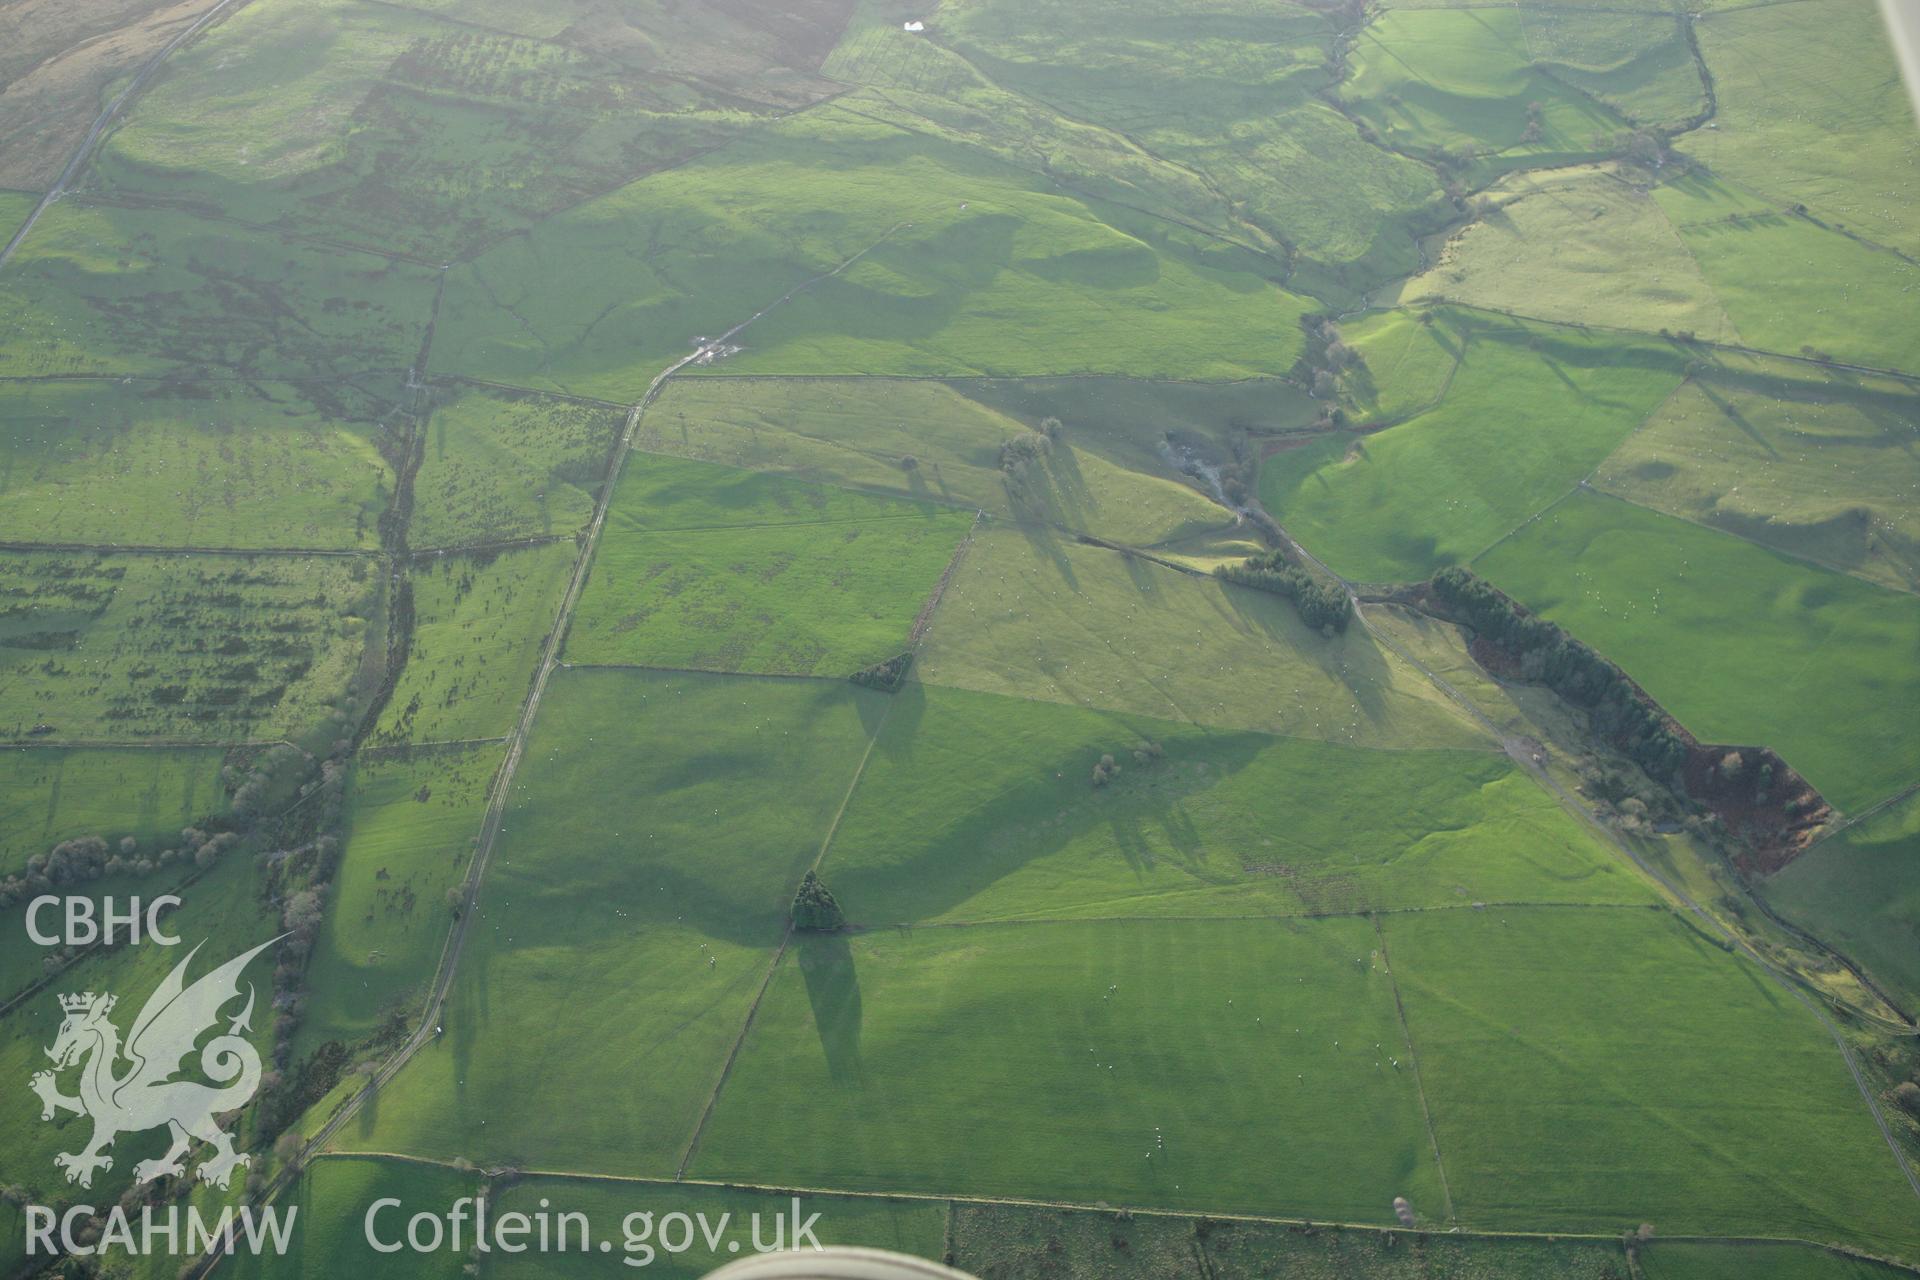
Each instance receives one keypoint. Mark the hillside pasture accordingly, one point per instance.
(708, 568)
(1231, 94)
(211, 464)
(1817, 464)
(626, 918)
(14, 208)
(749, 53)
(102, 289)
(1582, 245)
(965, 263)
(1811, 111)
(1139, 1063)
(979, 807)
(414, 134)
(1106, 474)
(1030, 615)
(1795, 650)
(479, 623)
(412, 819)
(1795, 286)
(205, 648)
(1640, 66)
(50, 794)
(1395, 505)
(62, 62)
(1859, 890)
(1611, 1109)
(1468, 83)
(1404, 361)
(498, 466)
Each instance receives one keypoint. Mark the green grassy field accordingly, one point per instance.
(977, 807)
(214, 464)
(1700, 1260)
(965, 262)
(1639, 66)
(314, 380)
(625, 919)
(1108, 1072)
(1792, 285)
(14, 208)
(1469, 82)
(1230, 94)
(1106, 474)
(1741, 644)
(479, 625)
(1584, 245)
(1860, 891)
(748, 53)
(412, 820)
(1395, 505)
(1035, 616)
(1811, 110)
(924, 87)
(1817, 464)
(209, 648)
(917, 1227)
(330, 1237)
(1007, 1242)
(1666, 1091)
(100, 289)
(1405, 362)
(498, 466)
(50, 794)
(414, 133)
(711, 568)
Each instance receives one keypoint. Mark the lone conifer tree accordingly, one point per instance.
(814, 906)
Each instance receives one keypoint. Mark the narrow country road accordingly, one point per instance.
(106, 117)
(435, 1006)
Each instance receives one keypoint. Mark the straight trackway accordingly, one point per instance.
(550, 661)
(106, 117)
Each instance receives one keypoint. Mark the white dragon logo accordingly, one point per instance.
(147, 1096)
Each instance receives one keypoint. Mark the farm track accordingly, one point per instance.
(85, 150)
(433, 1007)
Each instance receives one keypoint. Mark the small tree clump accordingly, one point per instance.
(886, 676)
(815, 908)
(1106, 771)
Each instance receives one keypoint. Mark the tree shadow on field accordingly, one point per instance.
(1047, 544)
(833, 991)
(1731, 412)
(902, 711)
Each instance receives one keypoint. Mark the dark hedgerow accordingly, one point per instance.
(1322, 605)
(1547, 653)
